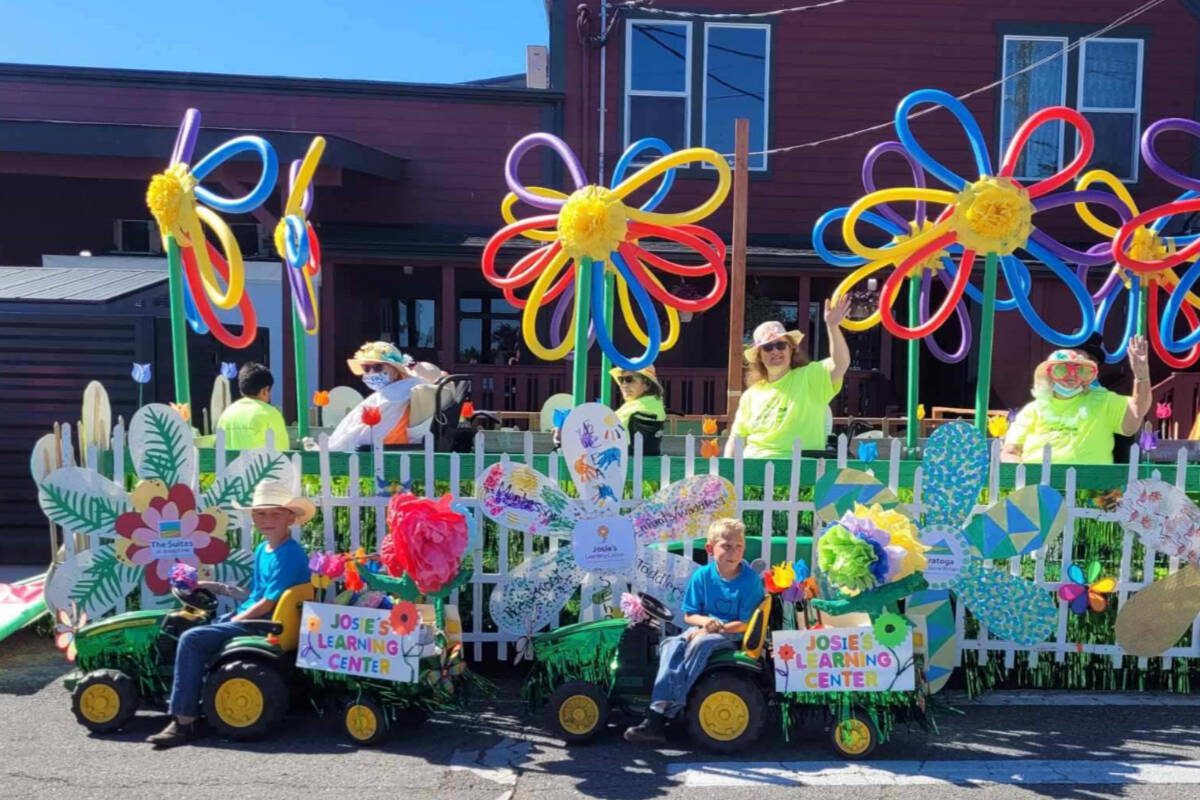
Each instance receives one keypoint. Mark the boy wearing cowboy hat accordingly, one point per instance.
(1072, 414)
(389, 375)
(641, 393)
(279, 564)
(787, 395)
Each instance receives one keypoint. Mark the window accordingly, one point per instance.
(136, 236)
(1104, 77)
(416, 324)
(488, 330)
(726, 65)
(735, 85)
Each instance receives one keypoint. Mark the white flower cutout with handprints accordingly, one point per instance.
(604, 542)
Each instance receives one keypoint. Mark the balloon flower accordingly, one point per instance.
(992, 215)
(593, 231)
(1142, 249)
(298, 246)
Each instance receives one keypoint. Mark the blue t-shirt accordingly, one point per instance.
(276, 571)
(711, 595)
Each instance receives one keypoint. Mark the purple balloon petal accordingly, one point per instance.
(918, 176)
(960, 311)
(521, 148)
(1092, 257)
(185, 140)
(1150, 151)
(561, 309)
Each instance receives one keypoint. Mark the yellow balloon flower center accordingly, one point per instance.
(280, 242)
(1149, 246)
(592, 223)
(993, 215)
(169, 195)
(934, 261)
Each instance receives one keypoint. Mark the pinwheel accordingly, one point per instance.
(183, 209)
(1084, 592)
(604, 542)
(955, 471)
(297, 244)
(590, 232)
(992, 215)
(1141, 247)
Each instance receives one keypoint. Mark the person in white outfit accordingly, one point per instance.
(388, 373)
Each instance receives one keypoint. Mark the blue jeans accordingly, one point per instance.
(680, 663)
(196, 647)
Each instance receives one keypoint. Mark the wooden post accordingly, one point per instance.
(737, 265)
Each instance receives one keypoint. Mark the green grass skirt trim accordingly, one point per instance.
(569, 659)
(884, 709)
(1079, 672)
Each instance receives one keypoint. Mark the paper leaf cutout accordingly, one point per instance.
(92, 579)
(664, 576)
(596, 448)
(531, 596)
(47, 453)
(1153, 620)
(684, 510)
(237, 568)
(954, 470)
(160, 443)
(244, 473)
(941, 643)
(1011, 607)
(1018, 524)
(82, 501)
(837, 492)
(519, 497)
(1163, 517)
(97, 418)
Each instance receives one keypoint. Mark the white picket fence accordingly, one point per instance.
(355, 502)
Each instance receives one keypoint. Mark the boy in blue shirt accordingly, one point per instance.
(279, 564)
(720, 598)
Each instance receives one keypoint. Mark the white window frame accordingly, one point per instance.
(1135, 109)
(630, 92)
(1065, 55)
(766, 88)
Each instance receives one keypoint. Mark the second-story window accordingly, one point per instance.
(724, 66)
(1102, 79)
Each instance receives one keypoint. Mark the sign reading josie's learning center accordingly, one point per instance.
(368, 642)
(842, 660)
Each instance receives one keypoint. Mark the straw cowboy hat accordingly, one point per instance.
(769, 332)
(646, 372)
(379, 353)
(276, 494)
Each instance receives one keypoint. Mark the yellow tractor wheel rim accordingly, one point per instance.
(362, 722)
(239, 702)
(724, 716)
(579, 714)
(853, 736)
(99, 703)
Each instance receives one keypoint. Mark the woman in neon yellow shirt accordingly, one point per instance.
(1073, 414)
(787, 395)
(641, 393)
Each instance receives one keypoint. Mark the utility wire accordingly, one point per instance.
(642, 6)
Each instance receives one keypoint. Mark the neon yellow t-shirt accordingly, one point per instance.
(773, 414)
(246, 422)
(1078, 429)
(649, 404)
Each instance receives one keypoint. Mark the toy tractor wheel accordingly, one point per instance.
(363, 721)
(577, 711)
(725, 712)
(104, 700)
(244, 699)
(855, 736)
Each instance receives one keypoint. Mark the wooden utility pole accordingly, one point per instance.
(737, 266)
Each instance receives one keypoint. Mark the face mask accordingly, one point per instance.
(377, 380)
(1065, 392)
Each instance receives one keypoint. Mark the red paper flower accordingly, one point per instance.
(371, 416)
(426, 540)
(321, 398)
(787, 652)
(404, 618)
(167, 531)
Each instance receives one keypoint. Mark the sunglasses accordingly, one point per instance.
(374, 367)
(628, 379)
(1084, 372)
(773, 346)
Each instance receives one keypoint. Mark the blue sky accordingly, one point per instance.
(427, 41)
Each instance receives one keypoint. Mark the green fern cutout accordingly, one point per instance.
(238, 488)
(105, 582)
(80, 512)
(238, 569)
(162, 456)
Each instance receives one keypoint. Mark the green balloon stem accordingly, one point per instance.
(913, 429)
(299, 351)
(583, 299)
(606, 364)
(987, 325)
(179, 354)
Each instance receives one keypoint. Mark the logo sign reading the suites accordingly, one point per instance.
(604, 544)
(841, 660)
(168, 545)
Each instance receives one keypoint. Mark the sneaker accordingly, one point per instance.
(651, 730)
(175, 734)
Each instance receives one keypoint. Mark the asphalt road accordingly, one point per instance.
(499, 753)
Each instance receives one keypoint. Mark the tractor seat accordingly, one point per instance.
(755, 637)
(287, 615)
(264, 627)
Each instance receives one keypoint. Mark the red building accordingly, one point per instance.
(413, 174)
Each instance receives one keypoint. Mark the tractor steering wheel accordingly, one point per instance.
(199, 599)
(655, 608)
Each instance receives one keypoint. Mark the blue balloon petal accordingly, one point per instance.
(934, 167)
(645, 306)
(626, 161)
(234, 147)
(1173, 309)
(838, 214)
(1078, 291)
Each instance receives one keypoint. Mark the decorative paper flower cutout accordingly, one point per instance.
(169, 530)
(891, 629)
(69, 621)
(404, 618)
